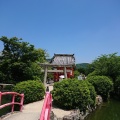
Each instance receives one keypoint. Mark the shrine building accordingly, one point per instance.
(61, 61)
(61, 65)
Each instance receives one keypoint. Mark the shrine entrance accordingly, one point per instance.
(58, 70)
(60, 65)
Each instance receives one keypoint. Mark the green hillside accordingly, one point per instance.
(81, 65)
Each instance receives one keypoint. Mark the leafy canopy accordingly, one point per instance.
(18, 61)
(107, 65)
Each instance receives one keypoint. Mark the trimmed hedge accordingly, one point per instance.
(103, 85)
(71, 94)
(93, 94)
(33, 90)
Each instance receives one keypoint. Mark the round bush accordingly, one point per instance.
(71, 94)
(33, 90)
(103, 85)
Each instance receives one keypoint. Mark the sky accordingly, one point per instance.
(85, 28)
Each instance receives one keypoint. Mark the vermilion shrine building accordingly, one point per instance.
(63, 60)
(61, 64)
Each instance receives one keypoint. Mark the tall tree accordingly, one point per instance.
(107, 65)
(18, 61)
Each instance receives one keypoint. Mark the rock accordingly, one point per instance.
(53, 116)
(99, 100)
(74, 115)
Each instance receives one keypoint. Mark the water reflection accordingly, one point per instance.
(107, 111)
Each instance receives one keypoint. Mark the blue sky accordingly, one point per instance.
(86, 28)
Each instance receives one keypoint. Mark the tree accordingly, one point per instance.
(117, 87)
(84, 68)
(18, 61)
(76, 74)
(81, 70)
(107, 65)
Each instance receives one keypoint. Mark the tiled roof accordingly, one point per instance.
(63, 59)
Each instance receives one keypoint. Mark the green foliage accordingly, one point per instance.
(117, 87)
(107, 65)
(84, 68)
(92, 94)
(33, 90)
(5, 99)
(81, 70)
(89, 69)
(103, 85)
(71, 94)
(94, 73)
(8, 88)
(82, 65)
(19, 61)
(76, 73)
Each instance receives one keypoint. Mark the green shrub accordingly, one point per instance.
(33, 90)
(8, 88)
(92, 94)
(94, 73)
(103, 85)
(117, 87)
(71, 94)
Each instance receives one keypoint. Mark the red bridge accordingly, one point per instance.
(45, 112)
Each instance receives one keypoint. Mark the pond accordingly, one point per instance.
(107, 111)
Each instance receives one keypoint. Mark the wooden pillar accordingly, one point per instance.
(45, 75)
(65, 72)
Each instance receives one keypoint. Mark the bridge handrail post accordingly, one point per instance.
(13, 102)
(0, 97)
(21, 102)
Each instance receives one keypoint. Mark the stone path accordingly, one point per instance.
(32, 111)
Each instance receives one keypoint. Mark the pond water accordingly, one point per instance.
(107, 111)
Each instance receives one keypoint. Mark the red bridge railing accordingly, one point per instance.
(46, 109)
(14, 94)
